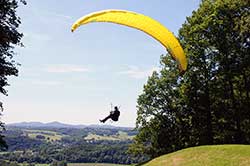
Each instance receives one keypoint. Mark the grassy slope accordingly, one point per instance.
(121, 136)
(52, 135)
(220, 155)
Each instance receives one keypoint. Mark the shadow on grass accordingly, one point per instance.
(142, 163)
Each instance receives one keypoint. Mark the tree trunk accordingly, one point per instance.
(238, 136)
(209, 133)
(246, 86)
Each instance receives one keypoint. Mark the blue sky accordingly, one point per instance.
(73, 77)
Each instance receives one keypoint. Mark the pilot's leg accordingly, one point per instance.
(105, 119)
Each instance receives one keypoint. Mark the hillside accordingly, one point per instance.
(220, 155)
(43, 145)
(56, 124)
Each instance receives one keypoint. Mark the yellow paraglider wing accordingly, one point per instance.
(143, 23)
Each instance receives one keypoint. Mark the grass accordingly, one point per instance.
(219, 155)
(216, 155)
(118, 137)
(49, 135)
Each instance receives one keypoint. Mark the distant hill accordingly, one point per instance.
(28, 141)
(216, 155)
(56, 124)
(40, 124)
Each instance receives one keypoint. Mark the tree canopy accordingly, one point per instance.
(9, 38)
(210, 103)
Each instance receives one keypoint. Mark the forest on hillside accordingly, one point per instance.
(72, 145)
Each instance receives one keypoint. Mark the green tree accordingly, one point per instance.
(217, 41)
(159, 121)
(3, 145)
(9, 37)
(210, 103)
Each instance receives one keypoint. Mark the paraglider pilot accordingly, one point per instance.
(114, 115)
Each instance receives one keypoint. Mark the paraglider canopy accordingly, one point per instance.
(140, 22)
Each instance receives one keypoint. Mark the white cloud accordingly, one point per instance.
(59, 15)
(66, 68)
(34, 37)
(45, 83)
(63, 16)
(137, 73)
